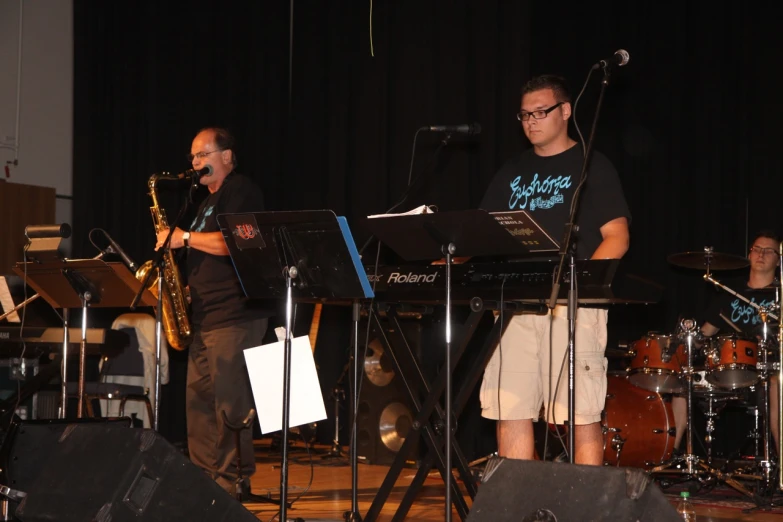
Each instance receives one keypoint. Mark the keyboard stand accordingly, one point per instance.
(440, 236)
(429, 417)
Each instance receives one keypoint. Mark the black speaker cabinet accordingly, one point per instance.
(109, 472)
(531, 490)
(29, 445)
(385, 412)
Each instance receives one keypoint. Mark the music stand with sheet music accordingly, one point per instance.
(471, 233)
(308, 254)
(81, 283)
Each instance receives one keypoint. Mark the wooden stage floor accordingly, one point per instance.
(323, 491)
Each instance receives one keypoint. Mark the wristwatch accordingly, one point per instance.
(186, 239)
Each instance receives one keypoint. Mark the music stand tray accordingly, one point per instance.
(81, 283)
(474, 232)
(311, 254)
(317, 243)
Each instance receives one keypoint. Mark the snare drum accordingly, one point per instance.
(731, 361)
(638, 425)
(652, 368)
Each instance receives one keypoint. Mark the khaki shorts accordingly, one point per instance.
(522, 362)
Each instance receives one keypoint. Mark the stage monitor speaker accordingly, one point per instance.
(108, 472)
(385, 413)
(29, 445)
(529, 490)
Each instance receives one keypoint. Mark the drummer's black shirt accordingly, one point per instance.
(738, 311)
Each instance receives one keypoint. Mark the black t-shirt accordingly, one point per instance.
(217, 298)
(739, 312)
(544, 186)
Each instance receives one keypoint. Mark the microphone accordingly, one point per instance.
(619, 58)
(41, 231)
(471, 129)
(193, 173)
(114, 248)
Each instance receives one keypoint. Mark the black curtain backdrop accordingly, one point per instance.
(692, 122)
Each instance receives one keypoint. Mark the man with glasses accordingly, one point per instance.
(527, 365)
(224, 321)
(730, 314)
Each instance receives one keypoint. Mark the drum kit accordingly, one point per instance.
(639, 425)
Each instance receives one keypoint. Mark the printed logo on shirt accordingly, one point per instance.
(200, 223)
(743, 313)
(538, 194)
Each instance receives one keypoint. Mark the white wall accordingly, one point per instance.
(45, 137)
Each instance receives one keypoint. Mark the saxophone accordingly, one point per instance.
(175, 310)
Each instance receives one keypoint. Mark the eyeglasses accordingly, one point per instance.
(537, 115)
(202, 155)
(762, 251)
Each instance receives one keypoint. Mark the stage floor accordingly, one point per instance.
(323, 491)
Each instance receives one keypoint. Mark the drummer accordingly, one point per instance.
(730, 314)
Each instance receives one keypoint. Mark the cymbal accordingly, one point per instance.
(699, 260)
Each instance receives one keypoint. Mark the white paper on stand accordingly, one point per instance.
(421, 209)
(265, 368)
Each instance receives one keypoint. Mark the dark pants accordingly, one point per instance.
(217, 382)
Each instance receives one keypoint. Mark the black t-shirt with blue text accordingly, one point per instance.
(544, 186)
(725, 306)
(217, 298)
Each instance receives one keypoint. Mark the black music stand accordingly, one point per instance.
(81, 283)
(310, 254)
(471, 233)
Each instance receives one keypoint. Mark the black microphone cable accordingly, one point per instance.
(413, 183)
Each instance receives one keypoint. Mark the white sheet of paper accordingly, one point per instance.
(265, 368)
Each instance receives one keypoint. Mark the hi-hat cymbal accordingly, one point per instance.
(715, 260)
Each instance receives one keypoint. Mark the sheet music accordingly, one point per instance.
(265, 369)
(423, 209)
(7, 301)
(519, 224)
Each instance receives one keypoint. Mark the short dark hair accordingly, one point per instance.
(224, 140)
(767, 233)
(558, 85)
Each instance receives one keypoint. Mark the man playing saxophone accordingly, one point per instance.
(224, 322)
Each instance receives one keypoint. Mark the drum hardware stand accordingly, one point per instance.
(780, 375)
(710, 414)
(767, 464)
(336, 451)
(689, 464)
(7, 494)
(338, 393)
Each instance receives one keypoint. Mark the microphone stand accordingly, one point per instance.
(569, 248)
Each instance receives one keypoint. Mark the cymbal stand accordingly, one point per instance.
(767, 464)
(710, 427)
(688, 459)
(780, 375)
(689, 464)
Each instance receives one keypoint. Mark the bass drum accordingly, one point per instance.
(638, 425)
